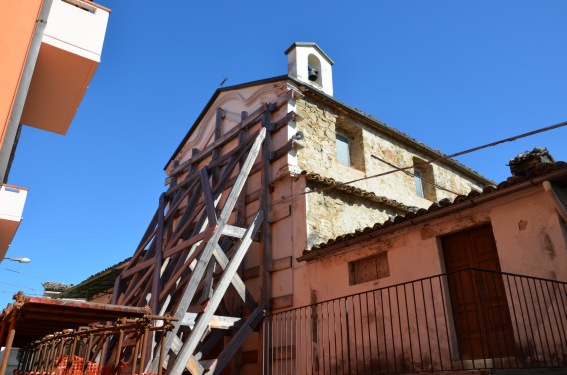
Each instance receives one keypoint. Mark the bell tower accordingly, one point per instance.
(308, 63)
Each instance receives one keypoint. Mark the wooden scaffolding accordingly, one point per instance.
(187, 263)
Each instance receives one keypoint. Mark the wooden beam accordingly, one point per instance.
(208, 280)
(266, 254)
(236, 281)
(189, 242)
(208, 195)
(236, 342)
(291, 116)
(281, 264)
(158, 258)
(228, 136)
(250, 119)
(193, 340)
(282, 151)
(211, 244)
(241, 203)
(221, 161)
(217, 321)
(251, 273)
(232, 231)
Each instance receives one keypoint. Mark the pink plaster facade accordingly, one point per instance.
(531, 240)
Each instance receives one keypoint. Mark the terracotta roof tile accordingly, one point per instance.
(538, 171)
(350, 189)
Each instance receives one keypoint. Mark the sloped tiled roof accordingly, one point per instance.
(97, 283)
(349, 189)
(540, 170)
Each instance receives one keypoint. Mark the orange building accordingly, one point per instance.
(50, 51)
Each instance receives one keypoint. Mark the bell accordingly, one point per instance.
(312, 74)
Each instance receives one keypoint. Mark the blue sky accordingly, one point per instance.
(452, 74)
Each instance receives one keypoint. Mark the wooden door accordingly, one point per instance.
(482, 319)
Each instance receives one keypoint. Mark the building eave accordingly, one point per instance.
(551, 172)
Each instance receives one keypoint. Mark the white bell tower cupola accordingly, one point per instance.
(308, 63)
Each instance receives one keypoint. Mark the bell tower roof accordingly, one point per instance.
(308, 63)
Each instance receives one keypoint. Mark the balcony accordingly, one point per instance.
(68, 58)
(12, 200)
(510, 322)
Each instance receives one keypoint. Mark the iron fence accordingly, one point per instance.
(471, 319)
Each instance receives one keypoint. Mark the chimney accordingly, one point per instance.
(523, 164)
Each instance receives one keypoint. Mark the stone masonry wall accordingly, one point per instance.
(371, 152)
(331, 213)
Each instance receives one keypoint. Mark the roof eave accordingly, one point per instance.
(536, 181)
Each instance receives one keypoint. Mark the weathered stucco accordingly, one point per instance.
(331, 213)
(530, 240)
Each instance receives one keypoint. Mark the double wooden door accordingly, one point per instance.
(482, 318)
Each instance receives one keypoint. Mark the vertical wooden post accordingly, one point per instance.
(216, 152)
(241, 203)
(158, 258)
(22, 361)
(9, 342)
(102, 360)
(87, 354)
(266, 255)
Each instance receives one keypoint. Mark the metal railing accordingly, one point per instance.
(100, 349)
(471, 319)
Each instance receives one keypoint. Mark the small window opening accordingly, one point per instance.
(424, 179)
(418, 183)
(349, 143)
(369, 269)
(343, 149)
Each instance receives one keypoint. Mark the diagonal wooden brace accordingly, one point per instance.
(203, 322)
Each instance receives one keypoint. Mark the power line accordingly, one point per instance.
(413, 175)
(440, 158)
(20, 286)
(23, 273)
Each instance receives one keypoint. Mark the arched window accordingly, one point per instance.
(314, 69)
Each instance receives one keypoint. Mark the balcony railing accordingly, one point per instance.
(466, 320)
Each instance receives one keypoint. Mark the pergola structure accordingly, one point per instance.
(30, 319)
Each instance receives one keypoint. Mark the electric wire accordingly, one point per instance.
(19, 286)
(413, 175)
(24, 273)
(285, 199)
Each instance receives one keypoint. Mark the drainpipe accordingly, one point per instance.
(11, 138)
(559, 205)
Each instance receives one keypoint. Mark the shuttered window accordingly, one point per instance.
(368, 269)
